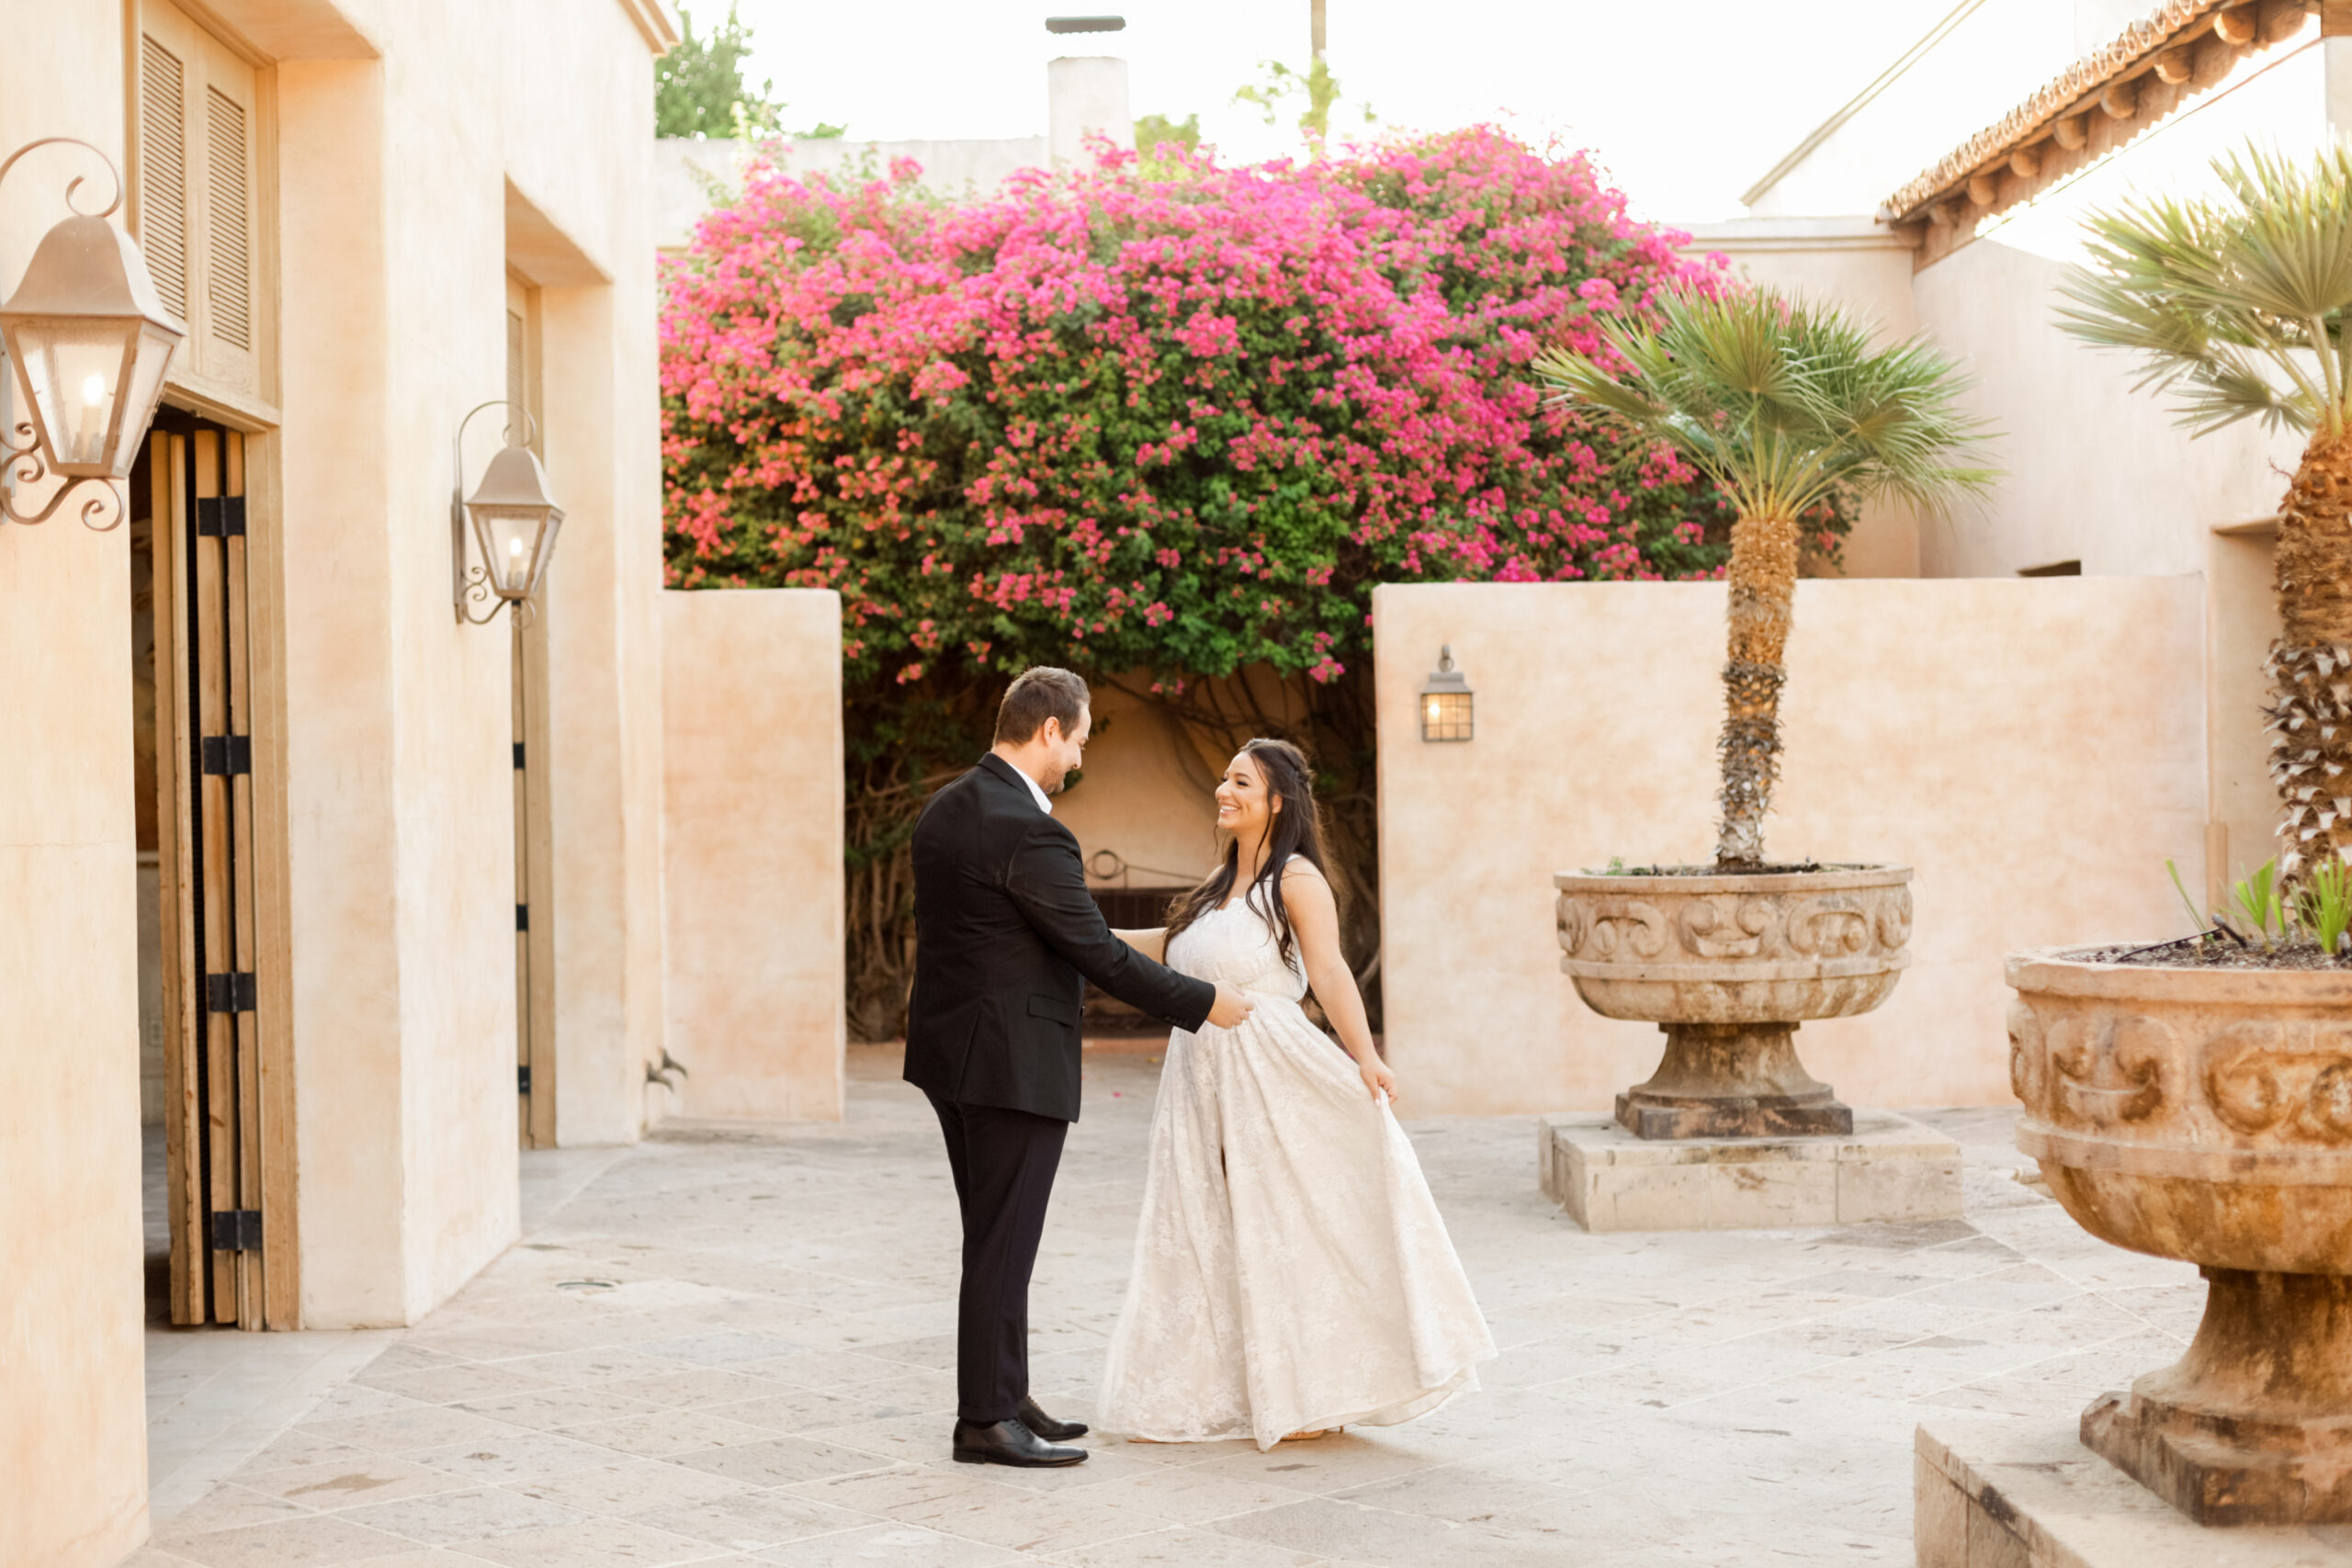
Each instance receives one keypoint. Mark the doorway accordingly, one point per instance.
(221, 1088)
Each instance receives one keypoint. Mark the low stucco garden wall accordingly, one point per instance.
(752, 852)
(2035, 750)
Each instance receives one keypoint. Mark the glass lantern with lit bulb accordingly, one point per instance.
(516, 523)
(90, 342)
(1445, 701)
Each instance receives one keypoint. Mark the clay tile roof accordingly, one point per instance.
(2137, 44)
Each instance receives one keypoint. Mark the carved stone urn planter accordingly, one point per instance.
(1728, 966)
(2206, 1115)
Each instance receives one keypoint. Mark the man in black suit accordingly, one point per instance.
(1006, 936)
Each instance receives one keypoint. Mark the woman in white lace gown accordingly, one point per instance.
(1291, 1274)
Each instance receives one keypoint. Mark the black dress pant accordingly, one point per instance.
(1004, 1162)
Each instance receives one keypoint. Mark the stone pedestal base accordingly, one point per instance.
(2250, 1426)
(1731, 1080)
(1889, 1168)
(2027, 1495)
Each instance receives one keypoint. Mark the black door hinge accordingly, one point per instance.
(226, 756)
(229, 993)
(236, 1230)
(521, 917)
(518, 756)
(523, 1079)
(220, 516)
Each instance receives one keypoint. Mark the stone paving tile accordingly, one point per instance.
(686, 1388)
(1191, 1494)
(782, 1461)
(311, 1542)
(899, 1546)
(629, 1487)
(664, 1434)
(450, 1517)
(733, 1351)
(1327, 1526)
(594, 1543)
(747, 1521)
(460, 1381)
(558, 1408)
(515, 1455)
(1184, 1548)
(410, 1429)
(356, 1478)
(228, 1507)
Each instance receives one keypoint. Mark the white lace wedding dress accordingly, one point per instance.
(1291, 1269)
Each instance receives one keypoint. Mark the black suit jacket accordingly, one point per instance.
(1004, 931)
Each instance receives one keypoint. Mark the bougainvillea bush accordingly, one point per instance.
(1159, 423)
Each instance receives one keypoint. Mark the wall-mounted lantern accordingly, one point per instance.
(1445, 701)
(91, 342)
(516, 523)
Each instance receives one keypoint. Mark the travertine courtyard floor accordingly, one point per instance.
(736, 1350)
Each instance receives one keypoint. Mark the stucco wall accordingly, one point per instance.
(73, 1406)
(752, 851)
(2034, 750)
(1145, 795)
(2095, 471)
(411, 183)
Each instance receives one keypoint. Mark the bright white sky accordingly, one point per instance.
(1686, 103)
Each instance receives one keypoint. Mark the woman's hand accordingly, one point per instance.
(1378, 1078)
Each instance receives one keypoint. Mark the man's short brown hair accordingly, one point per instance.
(1038, 693)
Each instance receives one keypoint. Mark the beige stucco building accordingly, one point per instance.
(377, 895)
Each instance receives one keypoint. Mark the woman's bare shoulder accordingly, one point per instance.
(1300, 872)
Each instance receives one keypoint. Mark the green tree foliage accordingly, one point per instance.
(699, 91)
(1315, 87)
(1151, 129)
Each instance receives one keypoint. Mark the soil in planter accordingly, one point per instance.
(2215, 952)
(1807, 868)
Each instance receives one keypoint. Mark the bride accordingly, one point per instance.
(1291, 1274)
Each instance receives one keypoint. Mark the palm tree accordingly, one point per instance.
(1784, 404)
(2236, 305)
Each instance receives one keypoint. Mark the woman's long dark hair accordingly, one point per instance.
(1295, 830)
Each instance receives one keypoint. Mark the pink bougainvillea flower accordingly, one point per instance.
(1169, 417)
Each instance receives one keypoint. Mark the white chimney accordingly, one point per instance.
(1085, 95)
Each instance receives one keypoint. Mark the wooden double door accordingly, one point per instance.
(228, 1097)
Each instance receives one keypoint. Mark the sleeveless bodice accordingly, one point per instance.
(1236, 945)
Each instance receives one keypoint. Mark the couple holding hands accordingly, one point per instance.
(1291, 1274)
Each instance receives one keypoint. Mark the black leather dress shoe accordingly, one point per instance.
(1045, 1425)
(1010, 1442)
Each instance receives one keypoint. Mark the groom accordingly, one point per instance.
(1004, 931)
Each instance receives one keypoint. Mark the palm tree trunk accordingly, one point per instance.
(1763, 585)
(2311, 664)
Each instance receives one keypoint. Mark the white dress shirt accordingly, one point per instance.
(1044, 803)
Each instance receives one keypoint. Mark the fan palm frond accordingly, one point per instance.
(1780, 401)
(2236, 304)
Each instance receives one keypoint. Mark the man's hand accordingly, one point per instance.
(1231, 1007)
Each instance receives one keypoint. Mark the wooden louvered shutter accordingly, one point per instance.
(162, 172)
(228, 240)
(198, 208)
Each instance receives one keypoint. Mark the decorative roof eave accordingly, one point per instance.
(2099, 103)
(657, 23)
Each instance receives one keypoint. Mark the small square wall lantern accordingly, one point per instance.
(91, 342)
(516, 523)
(1445, 701)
